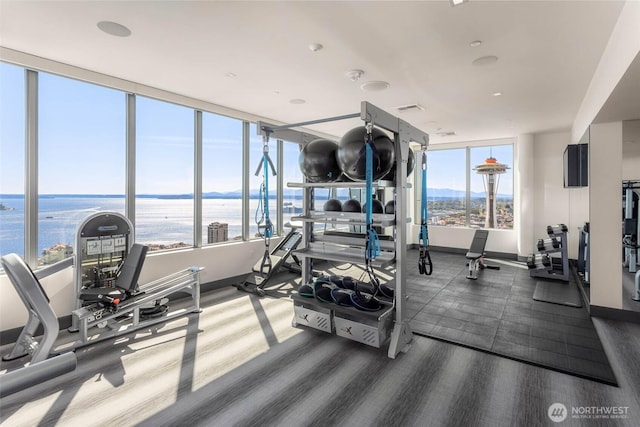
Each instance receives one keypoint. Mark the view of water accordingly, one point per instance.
(158, 221)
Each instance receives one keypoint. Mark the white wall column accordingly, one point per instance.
(605, 204)
(524, 194)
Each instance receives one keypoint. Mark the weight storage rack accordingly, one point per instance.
(556, 267)
(389, 325)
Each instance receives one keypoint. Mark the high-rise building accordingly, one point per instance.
(491, 171)
(217, 232)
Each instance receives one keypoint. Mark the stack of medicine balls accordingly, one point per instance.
(324, 160)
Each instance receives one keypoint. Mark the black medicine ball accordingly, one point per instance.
(411, 163)
(352, 205)
(390, 207)
(317, 161)
(377, 207)
(351, 154)
(332, 205)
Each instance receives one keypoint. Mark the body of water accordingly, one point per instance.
(158, 221)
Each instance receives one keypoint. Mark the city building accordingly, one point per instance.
(217, 232)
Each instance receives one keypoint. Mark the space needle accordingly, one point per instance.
(491, 171)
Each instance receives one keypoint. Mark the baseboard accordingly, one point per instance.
(614, 314)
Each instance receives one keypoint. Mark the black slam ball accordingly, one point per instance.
(377, 207)
(411, 163)
(390, 207)
(351, 154)
(318, 162)
(332, 205)
(351, 205)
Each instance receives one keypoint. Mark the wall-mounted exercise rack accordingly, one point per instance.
(373, 328)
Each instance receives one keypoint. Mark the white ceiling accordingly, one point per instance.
(547, 50)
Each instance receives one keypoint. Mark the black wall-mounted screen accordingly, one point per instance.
(576, 165)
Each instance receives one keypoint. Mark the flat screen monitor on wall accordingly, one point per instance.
(576, 165)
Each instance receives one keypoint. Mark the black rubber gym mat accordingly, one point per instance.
(555, 292)
(498, 314)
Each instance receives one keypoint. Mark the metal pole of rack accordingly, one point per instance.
(309, 122)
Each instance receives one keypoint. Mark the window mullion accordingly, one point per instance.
(31, 170)
(197, 180)
(468, 185)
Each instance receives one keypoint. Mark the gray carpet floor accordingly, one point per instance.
(240, 363)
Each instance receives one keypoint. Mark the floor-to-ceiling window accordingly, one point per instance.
(164, 174)
(491, 176)
(221, 178)
(292, 197)
(81, 159)
(446, 187)
(81, 134)
(12, 161)
(470, 186)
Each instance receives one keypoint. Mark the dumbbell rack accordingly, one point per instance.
(558, 267)
(389, 325)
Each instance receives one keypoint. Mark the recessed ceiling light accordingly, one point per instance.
(231, 75)
(375, 86)
(485, 60)
(457, 2)
(114, 29)
(497, 94)
(475, 43)
(297, 101)
(314, 47)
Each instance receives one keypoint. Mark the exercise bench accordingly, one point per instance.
(475, 255)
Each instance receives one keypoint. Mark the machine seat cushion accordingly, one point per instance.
(91, 294)
(473, 255)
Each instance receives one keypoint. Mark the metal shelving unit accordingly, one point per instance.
(390, 324)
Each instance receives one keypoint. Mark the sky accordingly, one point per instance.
(82, 144)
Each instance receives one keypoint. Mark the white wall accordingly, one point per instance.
(631, 149)
(554, 204)
(605, 243)
(220, 262)
(622, 48)
(458, 237)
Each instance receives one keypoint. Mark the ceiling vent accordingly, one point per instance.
(445, 133)
(410, 107)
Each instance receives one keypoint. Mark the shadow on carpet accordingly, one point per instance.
(497, 314)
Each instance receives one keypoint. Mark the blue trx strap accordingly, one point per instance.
(425, 266)
(263, 205)
(373, 242)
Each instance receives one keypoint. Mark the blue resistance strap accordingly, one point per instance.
(373, 241)
(425, 266)
(263, 206)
